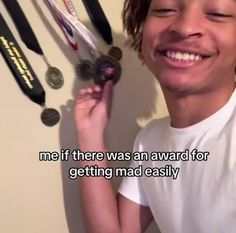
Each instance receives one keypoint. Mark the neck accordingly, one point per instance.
(189, 109)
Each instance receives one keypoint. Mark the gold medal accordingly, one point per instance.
(54, 77)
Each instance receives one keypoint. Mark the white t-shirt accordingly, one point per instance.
(202, 199)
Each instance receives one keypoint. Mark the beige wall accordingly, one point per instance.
(38, 197)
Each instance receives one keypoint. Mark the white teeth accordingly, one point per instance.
(186, 56)
(192, 57)
(179, 56)
(183, 56)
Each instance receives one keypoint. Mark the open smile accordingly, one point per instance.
(182, 59)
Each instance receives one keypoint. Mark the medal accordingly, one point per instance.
(28, 37)
(72, 28)
(101, 23)
(85, 70)
(115, 52)
(54, 78)
(22, 71)
(107, 68)
(50, 116)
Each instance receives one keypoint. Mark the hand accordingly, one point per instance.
(93, 107)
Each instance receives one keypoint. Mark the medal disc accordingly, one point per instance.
(54, 78)
(85, 70)
(50, 116)
(115, 52)
(107, 68)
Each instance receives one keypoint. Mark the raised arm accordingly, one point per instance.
(103, 211)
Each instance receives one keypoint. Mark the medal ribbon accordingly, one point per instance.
(99, 20)
(26, 33)
(76, 26)
(19, 65)
(70, 7)
(23, 27)
(68, 31)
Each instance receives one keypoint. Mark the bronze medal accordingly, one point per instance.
(85, 70)
(115, 52)
(54, 77)
(107, 68)
(50, 116)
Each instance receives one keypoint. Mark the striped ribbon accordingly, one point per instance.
(72, 27)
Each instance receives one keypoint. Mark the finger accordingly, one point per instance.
(107, 95)
(107, 91)
(84, 96)
(97, 88)
(89, 90)
(86, 106)
(97, 96)
(82, 92)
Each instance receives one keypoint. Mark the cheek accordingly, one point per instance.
(154, 32)
(228, 52)
(149, 37)
(144, 47)
(147, 52)
(227, 43)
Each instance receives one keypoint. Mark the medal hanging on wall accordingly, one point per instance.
(53, 75)
(24, 74)
(100, 22)
(19, 65)
(103, 67)
(84, 68)
(106, 67)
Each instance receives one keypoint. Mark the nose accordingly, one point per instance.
(188, 24)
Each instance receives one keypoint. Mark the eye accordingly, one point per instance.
(219, 15)
(163, 12)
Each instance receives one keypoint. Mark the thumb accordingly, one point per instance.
(107, 94)
(107, 91)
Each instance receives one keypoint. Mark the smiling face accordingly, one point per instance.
(190, 45)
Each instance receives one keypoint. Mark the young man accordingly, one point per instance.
(190, 47)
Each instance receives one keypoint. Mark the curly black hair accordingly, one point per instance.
(133, 15)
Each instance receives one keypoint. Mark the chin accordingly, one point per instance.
(176, 89)
(182, 84)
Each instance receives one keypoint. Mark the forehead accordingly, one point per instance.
(217, 4)
(199, 1)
